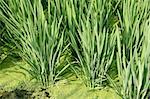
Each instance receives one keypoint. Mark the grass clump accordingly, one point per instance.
(93, 43)
(133, 54)
(39, 38)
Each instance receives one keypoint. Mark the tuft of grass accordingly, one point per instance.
(134, 73)
(39, 38)
(133, 54)
(93, 42)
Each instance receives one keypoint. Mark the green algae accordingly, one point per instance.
(12, 77)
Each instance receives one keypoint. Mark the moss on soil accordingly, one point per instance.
(12, 77)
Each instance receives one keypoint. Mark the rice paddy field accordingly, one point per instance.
(74, 49)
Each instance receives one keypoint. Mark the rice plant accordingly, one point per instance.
(93, 43)
(133, 54)
(38, 36)
(134, 73)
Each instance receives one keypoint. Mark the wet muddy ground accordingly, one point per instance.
(24, 94)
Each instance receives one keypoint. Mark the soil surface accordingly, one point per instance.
(16, 94)
(24, 94)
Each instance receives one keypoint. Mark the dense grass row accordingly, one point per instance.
(88, 37)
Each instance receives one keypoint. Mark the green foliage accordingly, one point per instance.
(88, 37)
(7, 48)
(39, 38)
(133, 54)
(3, 49)
(90, 27)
